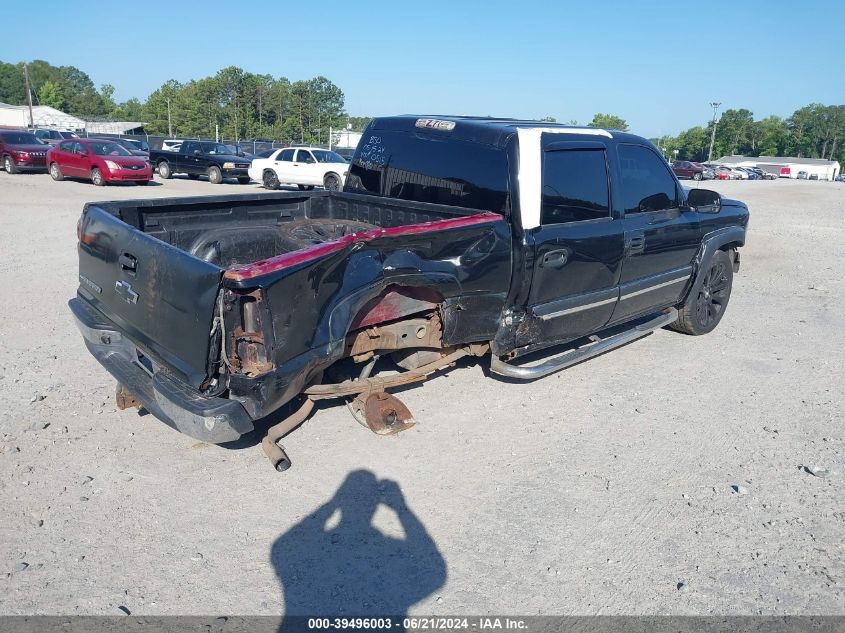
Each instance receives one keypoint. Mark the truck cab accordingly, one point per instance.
(201, 158)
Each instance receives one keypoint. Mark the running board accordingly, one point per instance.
(571, 357)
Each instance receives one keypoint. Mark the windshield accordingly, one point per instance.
(324, 156)
(20, 138)
(215, 148)
(68, 135)
(108, 149)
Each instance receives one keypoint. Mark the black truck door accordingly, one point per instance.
(662, 236)
(578, 246)
(190, 161)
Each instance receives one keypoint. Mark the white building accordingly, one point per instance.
(787, 166)
(42, 116)
(45, 116)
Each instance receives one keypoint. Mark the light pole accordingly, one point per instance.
(715, 107)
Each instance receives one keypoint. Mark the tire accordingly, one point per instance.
(164, 170)
(56, 172)
(270, 179)
(701, 314)
(331, 182)
(97, 177)
(215, 176)
(304, 233)
(9, 165)
(305, 187)
(696, 176)
(244, 181)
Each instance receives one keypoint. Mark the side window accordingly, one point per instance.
(304, 156)
(78, 148)
(286, 155)
(574, 186)
(646, 183)
(67, 146)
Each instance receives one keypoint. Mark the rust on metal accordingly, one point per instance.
(382, 383)
(275, 453)
(248, 352)
(386, 414)
(422, 332)
(124, 399)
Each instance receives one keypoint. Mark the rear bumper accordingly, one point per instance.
(214, 420)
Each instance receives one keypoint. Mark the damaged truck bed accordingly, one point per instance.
(453, 237)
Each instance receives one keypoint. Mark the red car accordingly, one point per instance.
(98, 160)
(21, 151)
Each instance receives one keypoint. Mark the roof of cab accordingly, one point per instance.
(487, 130)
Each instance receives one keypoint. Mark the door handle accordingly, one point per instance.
(636, 242)
(555, 259)
(128, 263)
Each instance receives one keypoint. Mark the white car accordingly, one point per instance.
(306, 167)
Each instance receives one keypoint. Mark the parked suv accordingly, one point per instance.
(687, 169)
(53, 136)
(21, 151)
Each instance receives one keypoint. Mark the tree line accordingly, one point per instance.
(814, 131)
(240, 105)
(234, 103)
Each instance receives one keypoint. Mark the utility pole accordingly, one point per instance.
(28, 94)
(715, 107)
(169, 124)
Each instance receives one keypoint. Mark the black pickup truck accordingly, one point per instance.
(452, 237)
(201, 158)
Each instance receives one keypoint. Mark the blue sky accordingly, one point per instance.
(658, 65)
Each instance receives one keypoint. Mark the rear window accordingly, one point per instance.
(418, 167)
(574, 186)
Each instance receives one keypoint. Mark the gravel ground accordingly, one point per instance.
(670, 476)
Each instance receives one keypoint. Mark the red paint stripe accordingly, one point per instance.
(280, 262)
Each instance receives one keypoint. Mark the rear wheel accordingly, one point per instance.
(97, 177)
(55, 172)
(164, 170)
(270, 179)
(331, 182)
(701, 313)
(215, 176)
(696, 175)
(9, 165)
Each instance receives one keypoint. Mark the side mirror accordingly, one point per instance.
(704, 201)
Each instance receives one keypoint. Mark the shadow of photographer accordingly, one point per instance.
(336, 563)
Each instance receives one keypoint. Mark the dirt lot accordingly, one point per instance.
(605, 489)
